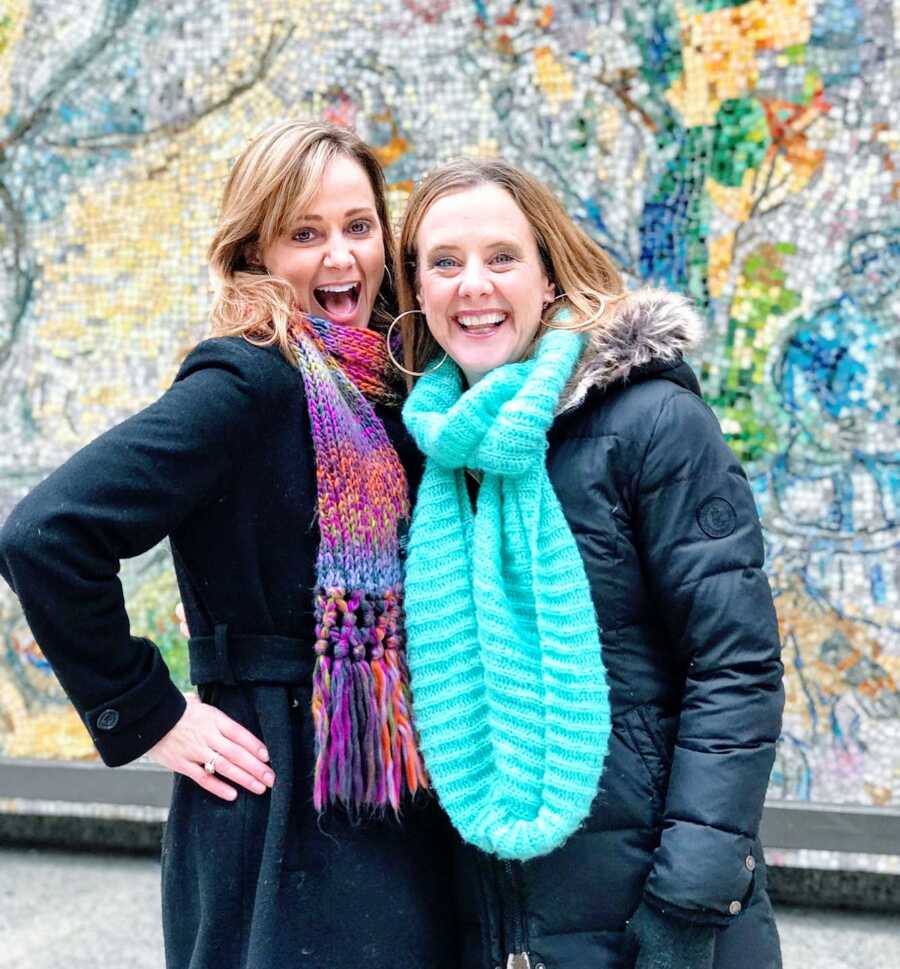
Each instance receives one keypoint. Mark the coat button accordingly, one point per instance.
(750, 862)
(108, 720)
(735, 908)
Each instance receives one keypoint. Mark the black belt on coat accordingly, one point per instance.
(231, 658)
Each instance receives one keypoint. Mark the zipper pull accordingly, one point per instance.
(518, 960)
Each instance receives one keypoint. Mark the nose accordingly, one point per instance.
(338, 254)
(474, 280)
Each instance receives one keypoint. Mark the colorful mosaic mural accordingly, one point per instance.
(742, 152)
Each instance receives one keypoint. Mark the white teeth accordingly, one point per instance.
(337, 289)
(481, 319)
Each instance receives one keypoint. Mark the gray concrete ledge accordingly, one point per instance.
(142, 784)
(831, 827)
(853, 890)
(866, 891)
(785, 824)
(113, 835)
(87, 807)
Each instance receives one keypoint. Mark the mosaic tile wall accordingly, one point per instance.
(742, 152)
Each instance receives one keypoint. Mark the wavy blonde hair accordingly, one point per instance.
(585, 278)
(274, 177)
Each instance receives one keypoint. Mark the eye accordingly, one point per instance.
(444, 262)
(503, 258)
(360, 227)
(302, 235)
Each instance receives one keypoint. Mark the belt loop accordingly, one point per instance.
(226, 674)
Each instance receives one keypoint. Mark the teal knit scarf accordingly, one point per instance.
(509, 689)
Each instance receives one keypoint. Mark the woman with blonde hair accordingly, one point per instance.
(591, 638)
(277, 466)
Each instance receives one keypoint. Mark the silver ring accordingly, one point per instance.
(210, 765)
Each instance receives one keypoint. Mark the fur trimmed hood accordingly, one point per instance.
(651, 325)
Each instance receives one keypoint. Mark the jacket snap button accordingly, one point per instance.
(750, 862)
(108, 720)
(734, 908)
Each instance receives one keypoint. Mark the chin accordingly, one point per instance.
(475, 371)
(484, 362)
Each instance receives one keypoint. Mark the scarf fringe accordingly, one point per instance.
(366, 751)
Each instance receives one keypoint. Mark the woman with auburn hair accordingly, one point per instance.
(597, 684)
(278, 467)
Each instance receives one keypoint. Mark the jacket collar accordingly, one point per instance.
(651, 331)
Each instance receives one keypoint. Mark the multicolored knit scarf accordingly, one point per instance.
(365, 746)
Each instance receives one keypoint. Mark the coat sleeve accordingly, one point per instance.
(114, 499)
(702, 551)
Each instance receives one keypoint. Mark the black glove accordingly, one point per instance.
(662, 942)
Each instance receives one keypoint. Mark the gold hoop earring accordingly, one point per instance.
(396, 363)
(585, 324)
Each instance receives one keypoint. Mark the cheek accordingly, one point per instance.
(298, 268)
(434, 293)
(529, 300)
(374, 257)
(431, 301)
(527, 336)
(434, 302)
(371, 262)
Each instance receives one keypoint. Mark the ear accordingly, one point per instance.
(252, 255)
(549, 291)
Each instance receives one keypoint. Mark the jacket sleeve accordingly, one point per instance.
(116, 498)
(702, 552)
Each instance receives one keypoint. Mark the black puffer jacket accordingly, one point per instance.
(665, 521)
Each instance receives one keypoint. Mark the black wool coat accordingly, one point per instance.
(224, 465)
(666, 525)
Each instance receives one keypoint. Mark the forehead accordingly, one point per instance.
(474, 215)
(344, 186)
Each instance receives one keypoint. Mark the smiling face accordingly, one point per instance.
(481, 282)
(333, 252)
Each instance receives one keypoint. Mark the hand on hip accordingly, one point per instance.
(211, 748)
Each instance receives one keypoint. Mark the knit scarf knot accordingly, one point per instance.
(511, 702)
(366, 756)
(493, 430)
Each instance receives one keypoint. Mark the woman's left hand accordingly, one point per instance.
(663, 942)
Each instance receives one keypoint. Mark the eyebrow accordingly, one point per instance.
(499, 244)
(347, 215)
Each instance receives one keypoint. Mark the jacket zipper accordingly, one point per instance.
(518, 958)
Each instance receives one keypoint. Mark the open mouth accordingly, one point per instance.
(339, 300)
(481, 324)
